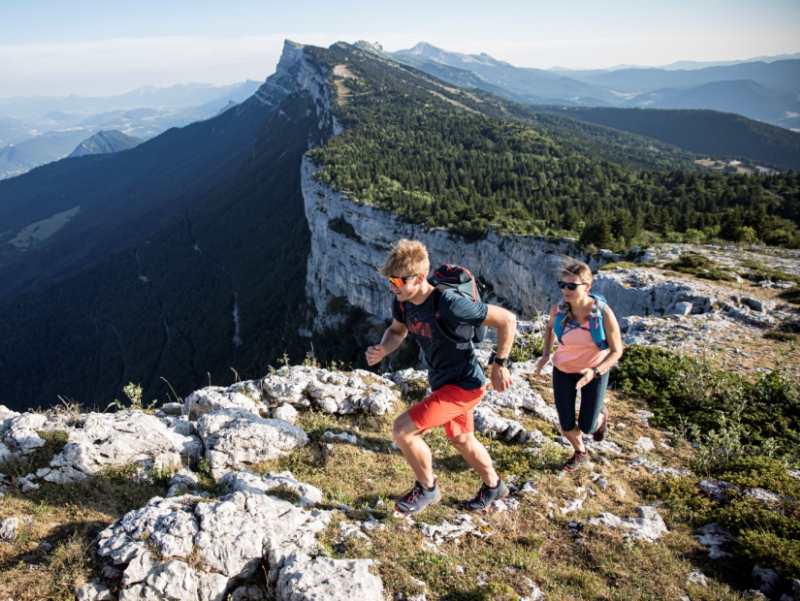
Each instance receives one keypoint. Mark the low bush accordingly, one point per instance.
(731, 413)
(526, 347)
(701, 267)
(792, 295)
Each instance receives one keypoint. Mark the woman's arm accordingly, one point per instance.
(549, 339)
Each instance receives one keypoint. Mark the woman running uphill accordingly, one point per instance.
(455, 375)
(589, 344)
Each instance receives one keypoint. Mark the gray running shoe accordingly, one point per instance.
(577, 461)
(418, 498)
(486, 496)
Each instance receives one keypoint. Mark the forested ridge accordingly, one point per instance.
(431, 154)
(708, 132)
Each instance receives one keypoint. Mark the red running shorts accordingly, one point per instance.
(451, 407)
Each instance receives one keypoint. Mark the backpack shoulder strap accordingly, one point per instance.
(560, 320)
(438, 292)
(596, 321)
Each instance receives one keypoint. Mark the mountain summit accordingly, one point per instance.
(105, 142)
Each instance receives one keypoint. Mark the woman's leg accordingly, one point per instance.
(564, 391)
(592, 396)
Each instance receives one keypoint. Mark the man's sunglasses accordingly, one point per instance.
(400, 281)
(571, 285)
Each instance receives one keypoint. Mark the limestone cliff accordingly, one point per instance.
(520, 271)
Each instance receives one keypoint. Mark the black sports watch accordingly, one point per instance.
(501, 362)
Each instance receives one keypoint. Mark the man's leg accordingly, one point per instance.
(408, 437)
(476, 455)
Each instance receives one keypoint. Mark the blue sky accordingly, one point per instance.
(99, 48)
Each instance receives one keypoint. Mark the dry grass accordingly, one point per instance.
(525, 543)
(68, 518)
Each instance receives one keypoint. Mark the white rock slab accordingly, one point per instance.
(648, 526)
(305, 579)
(102, 440)
(235, 439)
(214, 398)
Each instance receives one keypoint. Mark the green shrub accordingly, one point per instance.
(782, 336)
(761, 472)
(341, 226)
(766, 533)
(792, 295)
(768, 548)
(723, 410)
(758, 271)
(526, 347)
(680, 497)
(701, 267)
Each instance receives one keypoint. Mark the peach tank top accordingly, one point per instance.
(577, 350)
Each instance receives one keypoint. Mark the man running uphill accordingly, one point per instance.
(455, 375)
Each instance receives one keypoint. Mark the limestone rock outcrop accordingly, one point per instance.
(236, 438)
(206, 546)
(330, 391)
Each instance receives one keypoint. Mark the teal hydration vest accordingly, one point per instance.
(595, 321)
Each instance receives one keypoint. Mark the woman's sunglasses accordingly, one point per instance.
(399, 282)
(571, 285)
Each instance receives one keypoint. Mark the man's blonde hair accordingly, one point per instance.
(407, 257)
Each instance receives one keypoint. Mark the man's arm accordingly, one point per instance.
(506, 324)
(392, 338)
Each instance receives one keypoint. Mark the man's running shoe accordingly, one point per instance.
(600, 434)
(486, 496)
(577, 461)
(418, 498)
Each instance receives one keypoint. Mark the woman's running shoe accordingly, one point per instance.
(577, 461)
(600, 434)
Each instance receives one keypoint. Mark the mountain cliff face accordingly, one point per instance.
(349, 241)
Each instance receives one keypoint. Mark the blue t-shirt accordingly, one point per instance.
(447, 363)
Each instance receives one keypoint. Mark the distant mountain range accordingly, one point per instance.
(761, 90)
(152, 97)
(22, 157)
(689, 65)
(45, 129)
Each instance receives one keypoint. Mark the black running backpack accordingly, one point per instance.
(459, 279)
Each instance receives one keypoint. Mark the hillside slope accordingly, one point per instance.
(703, 132)
(743, 97)
(24, 156)
(121, 196)
(105, 142)
(215, 287)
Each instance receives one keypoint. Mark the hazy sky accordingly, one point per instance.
(93, 47)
